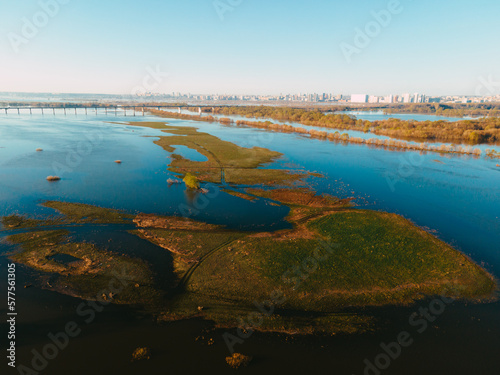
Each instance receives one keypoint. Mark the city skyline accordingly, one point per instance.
(378, 46)
(406, 98)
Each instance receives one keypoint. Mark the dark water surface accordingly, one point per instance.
(455, 196)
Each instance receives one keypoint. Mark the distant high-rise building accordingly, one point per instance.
(359, 98)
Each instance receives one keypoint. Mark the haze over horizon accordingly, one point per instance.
(248, 47)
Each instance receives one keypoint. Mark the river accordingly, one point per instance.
(456, 197)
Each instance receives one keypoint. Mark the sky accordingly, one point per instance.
(434, 47)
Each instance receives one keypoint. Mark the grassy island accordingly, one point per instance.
(335, 257)
(227, 162)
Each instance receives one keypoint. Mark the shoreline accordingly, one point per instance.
(389, 144)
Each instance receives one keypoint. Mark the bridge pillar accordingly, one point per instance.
(64, 111)
(18, 111)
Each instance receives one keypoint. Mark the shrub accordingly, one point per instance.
(191, 181)
(238, 360)
(141, 353)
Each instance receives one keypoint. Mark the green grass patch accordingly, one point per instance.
(187, 247)
(374, 258)
(85, 213)
(21, 221)
(226, 160)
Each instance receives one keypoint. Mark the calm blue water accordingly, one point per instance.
(82, 150)
(189, 153)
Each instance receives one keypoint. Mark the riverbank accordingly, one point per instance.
(477, 131)
(389, 144)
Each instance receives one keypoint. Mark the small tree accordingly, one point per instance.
(191, 181)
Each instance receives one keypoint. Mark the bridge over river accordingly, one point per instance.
(116, 109)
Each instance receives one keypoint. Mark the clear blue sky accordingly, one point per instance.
(261, 46)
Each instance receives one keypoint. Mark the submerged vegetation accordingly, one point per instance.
(492, 154)
(84, 270)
